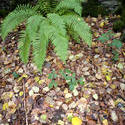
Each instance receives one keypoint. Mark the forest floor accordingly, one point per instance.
(26, 98)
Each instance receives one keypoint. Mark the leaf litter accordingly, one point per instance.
(27, 99)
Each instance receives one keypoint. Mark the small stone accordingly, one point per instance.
(75, 92)
(46, 89)
(68, 95)
(95, 96)
(114, 116)
(65, 107)
(122, 86)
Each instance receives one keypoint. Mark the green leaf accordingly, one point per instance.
(55, 84)
(15, 75)
(51, 85)
(71, 87)
(39, 50)
(117, 43)
(81, 81)
(20, 14)
(67, 71)
(50, 76)
(24, 46)
(115, 55)
(103, 38)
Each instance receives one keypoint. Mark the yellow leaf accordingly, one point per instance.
(108, 78)
(41, 81)
(7, 95)
(24, 76)
(20, 93)
(102, 24)
(36, 79)
(113, 86)
(105, 122)
(5, 106)
(76, 121)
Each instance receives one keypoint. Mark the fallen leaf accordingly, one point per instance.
(76, 121)
(5, 106)
(105, 122)
(20, 93)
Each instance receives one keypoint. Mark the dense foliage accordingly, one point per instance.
(48, 21)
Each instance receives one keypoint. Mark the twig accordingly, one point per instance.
(25, 103)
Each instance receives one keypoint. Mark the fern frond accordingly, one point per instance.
(61, 46)
(58, 22)
(59, 40)
(70, 5)
(39, 50)
(43, 6)
(17, 16)
(32, 26)
(24, 46)
(79, 26)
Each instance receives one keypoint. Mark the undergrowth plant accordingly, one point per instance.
(70, 79)
(68, 76)
(48, 21)
(52, 76)
(116, 44)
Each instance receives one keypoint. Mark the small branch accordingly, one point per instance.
(25, 102)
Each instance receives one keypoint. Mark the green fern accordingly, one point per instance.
(48, 21)
(20, 14)
(39, 50)
(79, 27)
(70, 5)
(24, 46)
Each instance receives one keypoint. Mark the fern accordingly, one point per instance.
(24, 46)
(70, 5)
(79, 27)
(20, 14)
(49, 21)
(39, 50)
(32, 26)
